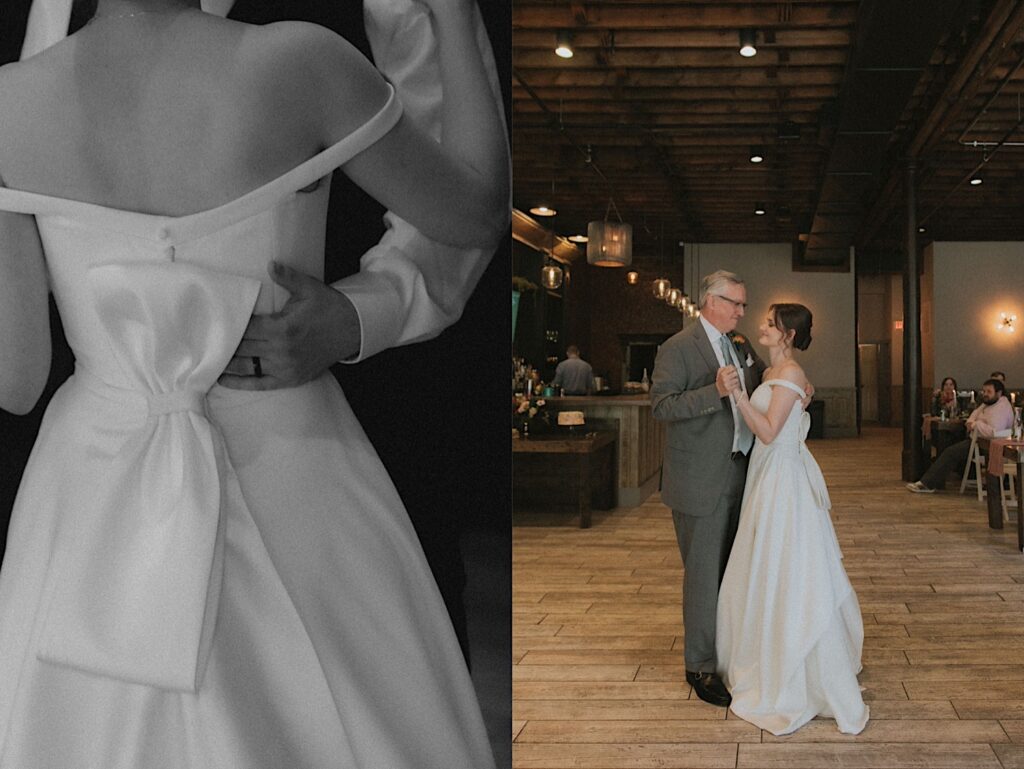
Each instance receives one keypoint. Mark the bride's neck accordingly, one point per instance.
(777, 355)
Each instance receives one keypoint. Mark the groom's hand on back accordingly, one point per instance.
(317, 327)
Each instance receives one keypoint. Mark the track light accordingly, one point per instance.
(760, 210)
(563, 45)
(748, 42)
(975, 181)
(756, 155)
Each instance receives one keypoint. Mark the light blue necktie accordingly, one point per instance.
(744, 438)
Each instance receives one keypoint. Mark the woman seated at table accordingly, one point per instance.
(945, 398)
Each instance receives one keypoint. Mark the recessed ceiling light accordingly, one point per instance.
(975, 180)
(759, 209)
(756, 155)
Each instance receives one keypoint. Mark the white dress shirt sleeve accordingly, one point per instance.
(410, 288)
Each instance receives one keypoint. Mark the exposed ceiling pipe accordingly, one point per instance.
(988, 103)
(1001, 27)
(978, 167)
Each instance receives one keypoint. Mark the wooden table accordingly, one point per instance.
(993, 492)
(944, 433)
(554, 468)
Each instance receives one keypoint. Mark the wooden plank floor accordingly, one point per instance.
(597, 637)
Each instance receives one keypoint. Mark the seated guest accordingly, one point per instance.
(574, 375)
(994, 415)
(998, 375)
(945, 398)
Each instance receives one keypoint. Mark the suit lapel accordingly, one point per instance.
(700, 337)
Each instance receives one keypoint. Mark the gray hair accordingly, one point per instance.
(715, 282)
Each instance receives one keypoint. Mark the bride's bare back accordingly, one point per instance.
(167, 114)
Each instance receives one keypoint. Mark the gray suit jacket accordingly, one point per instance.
(699, 423)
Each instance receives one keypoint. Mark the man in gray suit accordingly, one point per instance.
(705, 463)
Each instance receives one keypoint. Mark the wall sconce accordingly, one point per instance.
(1006, 322)
(632, 278)
(563, 44)
(551, 276)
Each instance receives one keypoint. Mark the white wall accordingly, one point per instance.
(767, 269)
(973, 283)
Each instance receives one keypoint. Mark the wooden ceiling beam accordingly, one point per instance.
(721, 108)
(567, 94)
(837, 38)
(533, 15)
(667, 58)
(722, 77)
(1003, 24)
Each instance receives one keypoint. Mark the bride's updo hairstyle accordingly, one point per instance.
(795, 318)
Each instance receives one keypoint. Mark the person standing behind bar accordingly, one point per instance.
(574, 375)
(705, 464)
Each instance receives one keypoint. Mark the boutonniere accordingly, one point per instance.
(737, 339)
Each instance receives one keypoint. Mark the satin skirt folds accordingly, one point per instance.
(331, 646)
(790, 632)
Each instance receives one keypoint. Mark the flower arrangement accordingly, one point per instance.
(529, 415)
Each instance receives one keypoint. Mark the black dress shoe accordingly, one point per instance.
(709, 688)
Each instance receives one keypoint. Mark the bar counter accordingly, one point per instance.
(641, 440)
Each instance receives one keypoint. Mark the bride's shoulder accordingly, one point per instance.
(307, 59)
(790, 371)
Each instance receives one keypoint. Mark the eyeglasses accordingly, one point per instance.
(733, 302)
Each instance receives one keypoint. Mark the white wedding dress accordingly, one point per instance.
(790, 631)
(199, 577)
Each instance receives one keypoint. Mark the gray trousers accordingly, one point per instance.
(704, 543)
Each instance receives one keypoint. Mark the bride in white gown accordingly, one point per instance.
(790, 631)
(197, 576)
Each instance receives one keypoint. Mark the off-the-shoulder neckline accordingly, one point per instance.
(241, 207)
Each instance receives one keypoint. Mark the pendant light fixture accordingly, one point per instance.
(748, 43)
(545, 207)
(551, 276)
(610, 244)
(661, 286)
(632, 277)
(563, 44)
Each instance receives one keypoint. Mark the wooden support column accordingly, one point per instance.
(913, 459)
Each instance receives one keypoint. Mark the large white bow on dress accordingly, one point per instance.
(133, 588)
